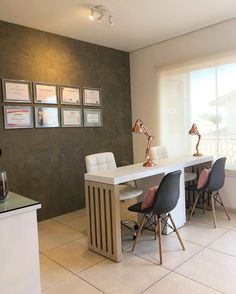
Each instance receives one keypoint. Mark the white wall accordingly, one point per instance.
(143, 63)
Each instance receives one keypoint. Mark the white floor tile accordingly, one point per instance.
(173, 254)
(70, 216)
(212, 268)
(226, 243)
(51, 273)
(45, 224)
(75, 255)
(200, 233)
(73, 285)
(127, 238)
(79, 224)
(175, 283)
(221, 218)
(197, 270)
(132, 275)
(76, 220)
(52, 234)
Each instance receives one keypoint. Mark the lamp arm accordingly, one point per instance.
(198, 142)
(145, 131)
(149, 142)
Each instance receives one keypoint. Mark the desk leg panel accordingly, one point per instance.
(103, 217)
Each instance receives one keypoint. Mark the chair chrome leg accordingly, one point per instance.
(139, 232)
(176, 231)
(213, 210)
(222, 203)
(194, 206)
(159, 237)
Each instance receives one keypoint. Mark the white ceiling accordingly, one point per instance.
(138, 23)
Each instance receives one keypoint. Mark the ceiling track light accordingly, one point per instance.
(100, 17)
(98, 12)
(110, 20)
(91, 15)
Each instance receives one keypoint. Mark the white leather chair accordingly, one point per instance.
(159, 152)
(105, 161)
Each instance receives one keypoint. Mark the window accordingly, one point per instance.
(201, 92)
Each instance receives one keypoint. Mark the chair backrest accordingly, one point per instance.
(216, 177)
(100, 161)
(167, 194)
(158, 152)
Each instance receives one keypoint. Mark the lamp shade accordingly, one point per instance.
(137, 128)
(193, 130)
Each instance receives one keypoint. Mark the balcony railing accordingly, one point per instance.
(219, 146)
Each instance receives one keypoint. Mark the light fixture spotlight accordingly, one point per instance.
(100, 17)
(98, 12)
(91, 15)
(110, 20)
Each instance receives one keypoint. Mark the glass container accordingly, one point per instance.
(3, 185)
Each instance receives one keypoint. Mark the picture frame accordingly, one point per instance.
(92, 96)
(16, 91)
(71, 117)
(18, 117)
(45, 93)
(70, 95)
(93, 117)
(47, 117)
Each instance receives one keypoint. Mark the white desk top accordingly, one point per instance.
(137, 171)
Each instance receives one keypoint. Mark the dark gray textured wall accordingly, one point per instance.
(48, 164)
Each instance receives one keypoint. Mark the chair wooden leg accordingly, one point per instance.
(176, 231)
(156, 228)
(204, 203)
(222, 203)
(213, 210)
(138, 233)
(160, 237)
(194, 206)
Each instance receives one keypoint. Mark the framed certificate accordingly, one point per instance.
(18, 117)
(71, 117)
(16, 91)
(46, 117)
(70, 95)
(93, 118)
(92, 97)
(45, 93)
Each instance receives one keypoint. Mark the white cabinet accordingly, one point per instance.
(19, 252)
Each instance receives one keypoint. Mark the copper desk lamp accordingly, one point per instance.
(138, 129)
(194, 131)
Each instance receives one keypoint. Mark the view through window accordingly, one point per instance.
(205, 96)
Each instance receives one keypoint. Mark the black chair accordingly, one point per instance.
(209, 194)
(165, 200)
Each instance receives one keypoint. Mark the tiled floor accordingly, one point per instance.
(207, 266)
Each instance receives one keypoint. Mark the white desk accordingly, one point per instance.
(103, 204)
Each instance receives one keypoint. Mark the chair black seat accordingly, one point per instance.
(165, 200)
(137, 207)
(214, 183)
